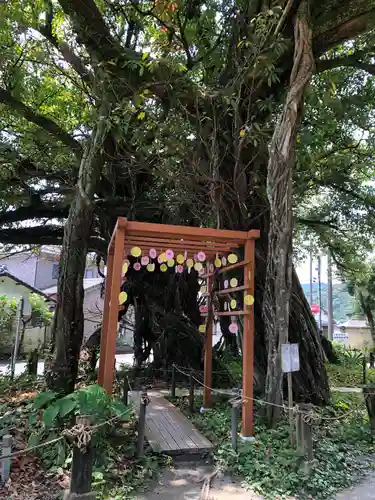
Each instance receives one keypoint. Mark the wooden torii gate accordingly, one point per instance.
(190, 241)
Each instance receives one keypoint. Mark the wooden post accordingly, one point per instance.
(234, 426)
(80, 481)
(113, 310)
(104, 329)
(142, 422)
(306, 437)
(290, 404)
(299, 437)
(126, 391)
(208, 346)
(6, 462)
(173, 383)
(364, 369)
(191, 393)
(248, 345)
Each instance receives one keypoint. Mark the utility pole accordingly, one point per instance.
(320, 293)
(311, 277)
(19, 317)
(330, 297)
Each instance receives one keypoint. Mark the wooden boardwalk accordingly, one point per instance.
(168, 430)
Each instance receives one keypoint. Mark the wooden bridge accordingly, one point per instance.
(168, 431)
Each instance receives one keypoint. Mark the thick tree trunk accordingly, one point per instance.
(67, 331)
(68, 321)
(278, 287)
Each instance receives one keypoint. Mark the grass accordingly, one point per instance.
(348, 375)
(342, 451)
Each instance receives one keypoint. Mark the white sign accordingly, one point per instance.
(290, 358)
(340, 336)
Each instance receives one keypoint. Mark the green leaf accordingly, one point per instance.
(97, 475)
(33, 440)
(141, 115)
(61, 455)
(145, 56)
(43, 398)
(50, 414)
(67, 405)
(33, 419)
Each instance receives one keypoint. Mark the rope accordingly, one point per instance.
(79, 434)
(32, 448)
(308, 416)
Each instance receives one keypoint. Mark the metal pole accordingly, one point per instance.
(6, 462)
(311, 277)
(142, 422)
(191, 393)
(173, 383)
(234, 426)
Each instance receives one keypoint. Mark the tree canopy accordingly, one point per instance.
(164, 111)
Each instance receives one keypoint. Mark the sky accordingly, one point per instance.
(303, 271)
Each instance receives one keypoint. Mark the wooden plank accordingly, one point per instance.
(171, 231)
(200, 441)
(248, 345)
(226, 313)
(181, 243)
(178, 422)
(168, 430)
(226, 291)
(223, 270)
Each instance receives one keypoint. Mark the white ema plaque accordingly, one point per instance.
(290, 358)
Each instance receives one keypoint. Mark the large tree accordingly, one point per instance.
(136, 108)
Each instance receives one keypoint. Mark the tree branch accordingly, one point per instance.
(44, 211)
(350, 60)
(339, 21)
(67, 53)
(46, 235)
(46, 123)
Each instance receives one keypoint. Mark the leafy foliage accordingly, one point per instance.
(8, 309)
(270, 467)
(343, 303)
(43, 416)
(40, 309)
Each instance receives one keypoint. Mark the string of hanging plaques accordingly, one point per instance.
(170, 261)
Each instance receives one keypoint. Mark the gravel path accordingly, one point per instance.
(365, 490)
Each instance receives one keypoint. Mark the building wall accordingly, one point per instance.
(11, 289)
(22, 266)
(46, 275)
(92, 310)
(35, 338)
(358, 337)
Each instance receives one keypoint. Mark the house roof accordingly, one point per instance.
(324, 319)
(354, 323)
(88, 284)
(11, 276)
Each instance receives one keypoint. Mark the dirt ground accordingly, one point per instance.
(184, 482)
